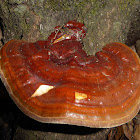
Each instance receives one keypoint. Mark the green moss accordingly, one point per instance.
(25, 27)
(117, 26)
(91, 6)
(21, 9)
(16, 1)
(123, 4)
(58, 5)
(80, 4)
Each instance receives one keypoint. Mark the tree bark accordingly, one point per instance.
(106, 21)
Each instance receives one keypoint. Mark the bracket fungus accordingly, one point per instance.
(55, 81)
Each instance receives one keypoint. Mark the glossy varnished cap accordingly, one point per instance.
(102, 92)
(55, 81)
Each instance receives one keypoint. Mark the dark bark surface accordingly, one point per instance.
(106, 21)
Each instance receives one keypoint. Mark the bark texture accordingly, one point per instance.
(106, 21)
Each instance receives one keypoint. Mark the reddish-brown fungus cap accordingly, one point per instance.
(72, 88)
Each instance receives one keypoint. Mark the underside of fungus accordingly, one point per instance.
(55, 81)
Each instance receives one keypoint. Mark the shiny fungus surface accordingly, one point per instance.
(55, 81)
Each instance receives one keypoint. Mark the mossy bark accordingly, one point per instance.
(106, 21)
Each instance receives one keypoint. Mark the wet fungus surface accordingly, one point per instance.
(55, 81)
